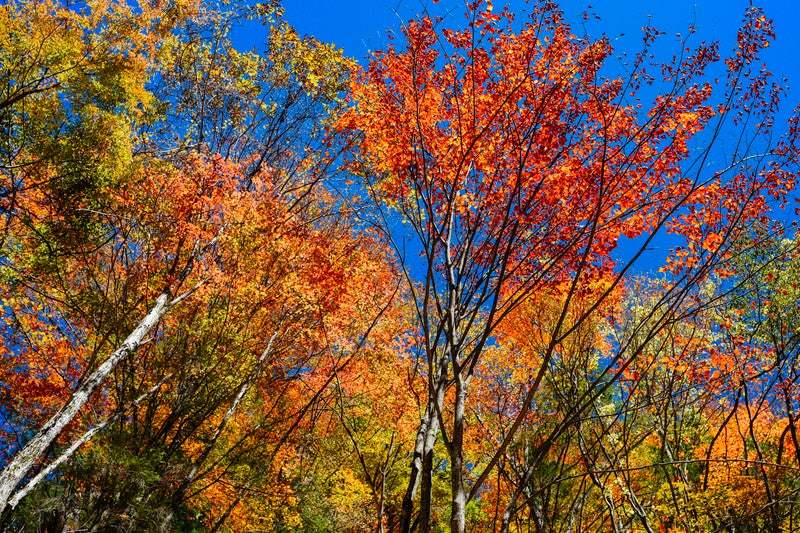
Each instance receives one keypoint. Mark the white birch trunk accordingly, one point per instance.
(86, 437)
(25, 458)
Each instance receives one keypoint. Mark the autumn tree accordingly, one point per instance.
(203, 331)
(65, 73)
(519, 166)
(211, 198)
(757, 353)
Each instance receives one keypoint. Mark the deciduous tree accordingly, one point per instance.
(519, 165)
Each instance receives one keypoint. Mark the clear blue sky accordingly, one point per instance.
(359, 26)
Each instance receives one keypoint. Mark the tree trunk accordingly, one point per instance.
(86, 437)
(25, 458)
(458, 494)
(422, 463)
(426, 492)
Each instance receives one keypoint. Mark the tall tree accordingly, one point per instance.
(212, 197)
(519, 166)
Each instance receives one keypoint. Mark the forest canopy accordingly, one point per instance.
(279, 290)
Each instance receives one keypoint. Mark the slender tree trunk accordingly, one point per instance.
(24, 459)
(458, 493)
(380, 502)
(421, 466)
(407, 508)
(244, 388)
(426, 492)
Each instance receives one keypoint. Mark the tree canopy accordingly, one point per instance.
(271, 290)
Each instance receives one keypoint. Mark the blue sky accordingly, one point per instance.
(362, 26)
(359, 26)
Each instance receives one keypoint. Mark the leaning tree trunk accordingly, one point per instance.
(25, 458)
